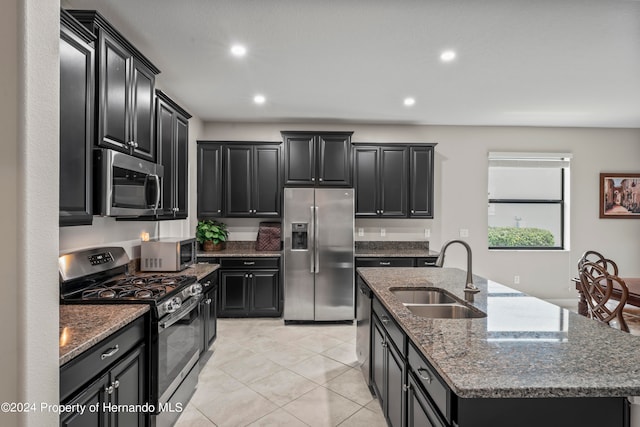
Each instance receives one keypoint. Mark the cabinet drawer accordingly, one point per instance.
(245, 263)
(100, 357)
(432, 383)
(390, 326)
(384, 262)
(426, 261)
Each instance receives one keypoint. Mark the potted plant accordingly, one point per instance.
(211, 234)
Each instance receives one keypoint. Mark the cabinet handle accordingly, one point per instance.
(384, 344)
(381, 211)
(384, 319)
(109, 353)
(109, 390)
(412, 211)
(207, 283)
(251, 276)
(320, 180)
(116, 384)
(207, 301)
(427, 377)
(385, 262)
(406, 387)
(249, 262)
(219, 210)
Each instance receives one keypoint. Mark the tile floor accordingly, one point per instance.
(263, 373)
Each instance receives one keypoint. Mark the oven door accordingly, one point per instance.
(128, 186)
(179, 335)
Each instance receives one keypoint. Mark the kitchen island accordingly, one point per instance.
(524, 359)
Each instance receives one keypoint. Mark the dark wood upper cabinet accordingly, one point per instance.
(252, 180)
(172, 131)
(76, 121)
(125, 81)
(394, 180)
(209, 180)
(317, 158)
(381, 181)
(239, 179)
(421, 160)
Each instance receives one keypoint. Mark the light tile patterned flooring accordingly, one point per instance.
(263, 373)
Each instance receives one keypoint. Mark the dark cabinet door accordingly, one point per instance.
(143, 82)
(334, 159)
(420, 413)
(264, 293)
(237, 168)
(300, 158)
(421, 182)
(181, 195)
(209, 180)
(94, 395)
(265, 188)
(114, 82)
(394, 386)
(211, 316)
(233, 293)
(317, 158)
(366, 179)
(393, 182)
(378, 370)
(128, 379)
(166, 148)
(252, 180)
(76, 124)
(172, 139)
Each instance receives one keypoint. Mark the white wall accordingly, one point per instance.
(461, 195)
(29, 189)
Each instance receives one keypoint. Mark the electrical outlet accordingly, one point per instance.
(427, 233)
(383, 232)
(464, 232)
(516, 280)
(360, 231)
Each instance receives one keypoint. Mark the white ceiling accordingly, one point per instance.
(519, 62)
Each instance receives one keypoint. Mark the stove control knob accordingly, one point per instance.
(195, 289)
(172, 305)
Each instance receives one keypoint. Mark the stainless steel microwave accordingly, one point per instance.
(167, 254)
(125, 185)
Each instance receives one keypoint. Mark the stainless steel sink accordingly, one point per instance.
(445, 311)
(422, 296)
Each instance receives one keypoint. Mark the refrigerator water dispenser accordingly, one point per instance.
(299, 236)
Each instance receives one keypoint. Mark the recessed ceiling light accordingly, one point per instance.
(259, 99)
(238, 50)
(448, 56)
(409, 101)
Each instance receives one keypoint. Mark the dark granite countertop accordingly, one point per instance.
(239, 249)
(525, 347)
(84, 325)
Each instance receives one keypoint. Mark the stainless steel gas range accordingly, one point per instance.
(99, 276)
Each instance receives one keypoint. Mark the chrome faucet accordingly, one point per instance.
(469, 288)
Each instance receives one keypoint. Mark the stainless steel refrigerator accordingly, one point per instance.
(318, 254)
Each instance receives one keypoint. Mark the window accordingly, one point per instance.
(527, 200)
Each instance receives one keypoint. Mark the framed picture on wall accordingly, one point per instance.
(619, 195)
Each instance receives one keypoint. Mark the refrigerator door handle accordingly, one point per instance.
(315, 241)
(312, 237)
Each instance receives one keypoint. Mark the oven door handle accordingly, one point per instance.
(185, 313)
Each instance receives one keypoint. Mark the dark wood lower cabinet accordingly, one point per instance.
(250, 292)
(112, 373)
(124, 384)
(388, 374)
(420, 412)
(411, 393)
